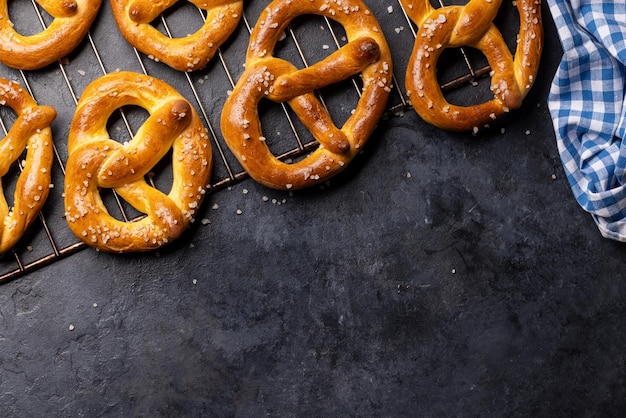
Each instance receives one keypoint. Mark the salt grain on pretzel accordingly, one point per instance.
(275, 79)
(471, 25)
(31, 132)
(134, 19)
(72, 19)
(95, 161)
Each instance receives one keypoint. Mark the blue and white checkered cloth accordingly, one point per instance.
(588, 109)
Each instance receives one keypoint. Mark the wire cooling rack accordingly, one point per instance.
(104, 51)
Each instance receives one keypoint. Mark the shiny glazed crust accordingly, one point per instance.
(31, 131)
(72, 19)
(471, 25)
(190, 53)
(272, 78)
(95, 161)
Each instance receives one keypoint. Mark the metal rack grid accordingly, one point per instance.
(49, 240)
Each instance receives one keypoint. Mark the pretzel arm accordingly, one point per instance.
(141, 11)
(63, 8)
(530, 45)
(131, 162)
(153, 202)
(190, 158)
(347, 61)
(503, 83)
(33, 184)
(317, 120)
(26, 125)
(474, 20)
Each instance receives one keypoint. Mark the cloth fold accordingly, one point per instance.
(588, 109)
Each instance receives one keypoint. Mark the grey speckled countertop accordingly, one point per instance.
(441, 275)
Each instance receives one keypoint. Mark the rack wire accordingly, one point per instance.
(49, 239)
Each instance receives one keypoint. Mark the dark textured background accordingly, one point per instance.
(441, 275)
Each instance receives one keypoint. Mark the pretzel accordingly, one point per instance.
(72, 19)
(96, 161)
(30, 131)
(280, 81)
(188, 53)
(471, 25)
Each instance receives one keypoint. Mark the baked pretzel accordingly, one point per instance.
(471, 25)
(31, 132)
(280, 81)
(72, 19)
(96, 161)
(190, 53)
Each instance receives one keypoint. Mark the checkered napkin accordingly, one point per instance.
(587, 104)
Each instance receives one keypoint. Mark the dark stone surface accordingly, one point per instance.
(440, 275)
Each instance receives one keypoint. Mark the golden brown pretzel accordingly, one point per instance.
(189, 53)
(95, 161)
(471, 25)
(72, 19)
(280, 81)
(31, 131)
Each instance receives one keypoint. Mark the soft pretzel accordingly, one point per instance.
(96, 161)
(72, 19)
(280, 81)
(190, 53)
(31, 132)
(471, 25)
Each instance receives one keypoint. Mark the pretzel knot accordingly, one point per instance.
(190, 53)
(72, 19)
(96, 161)
(471, 25)
(275, 79)
(31, 132)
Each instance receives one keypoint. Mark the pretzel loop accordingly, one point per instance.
(95, 161)
(134, 19)
(471, 25)
(72, 19)
(30, 131)
(267, 77)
